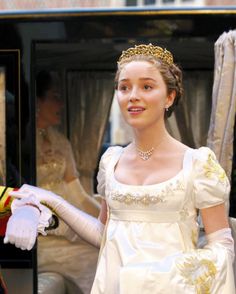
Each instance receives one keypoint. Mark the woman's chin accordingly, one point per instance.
(134, 123)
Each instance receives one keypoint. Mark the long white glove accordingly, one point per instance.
(224, 238)
(22, 227)
(81, 199)
(85, 225)
(28, 218)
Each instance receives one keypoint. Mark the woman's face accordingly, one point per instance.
(142, 94)
(49, 108)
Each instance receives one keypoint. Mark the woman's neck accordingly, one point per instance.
(150, 138)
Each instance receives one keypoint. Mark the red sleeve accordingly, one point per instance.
(5, 208)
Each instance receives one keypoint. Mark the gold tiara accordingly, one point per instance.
(150, 49)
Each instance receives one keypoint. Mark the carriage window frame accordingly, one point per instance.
(10, 62)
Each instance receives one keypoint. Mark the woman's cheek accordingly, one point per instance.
(120, 99)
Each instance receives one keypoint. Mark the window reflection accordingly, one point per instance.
(57, 172)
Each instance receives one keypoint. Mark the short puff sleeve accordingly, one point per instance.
(103, 166)
(210, 183)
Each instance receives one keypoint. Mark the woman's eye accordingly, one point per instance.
(123, 87)
(147, 87)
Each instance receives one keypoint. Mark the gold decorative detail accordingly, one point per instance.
(147, 199)
(198, 273)
(194, 237)
(129, 199)
(52, 165)
(150, 49)
(5, 201)
(213, 167)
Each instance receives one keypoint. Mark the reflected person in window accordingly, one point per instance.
(62, 250)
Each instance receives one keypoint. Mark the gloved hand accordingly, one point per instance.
(45, 197)
(22, 227)
(224, 238)
(85, 225)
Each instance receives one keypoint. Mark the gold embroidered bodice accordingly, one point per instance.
(54, 159)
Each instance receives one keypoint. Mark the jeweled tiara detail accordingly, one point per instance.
(149, 49)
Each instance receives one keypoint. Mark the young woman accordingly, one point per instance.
(152, 192)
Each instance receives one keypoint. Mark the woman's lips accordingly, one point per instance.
(136, 110)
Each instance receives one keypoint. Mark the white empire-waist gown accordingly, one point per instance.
(151, 234)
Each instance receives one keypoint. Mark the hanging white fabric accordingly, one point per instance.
(221, 130)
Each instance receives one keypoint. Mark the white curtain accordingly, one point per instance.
(221, 130)
(190, 121)
(90, 96)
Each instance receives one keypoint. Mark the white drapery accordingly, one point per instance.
(190, 121)
(221, 130)
(90, 94)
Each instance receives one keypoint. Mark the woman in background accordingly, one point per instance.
(62, 250)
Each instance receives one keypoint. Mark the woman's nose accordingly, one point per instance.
(134, 95)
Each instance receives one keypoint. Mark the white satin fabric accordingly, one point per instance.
(152, 231)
